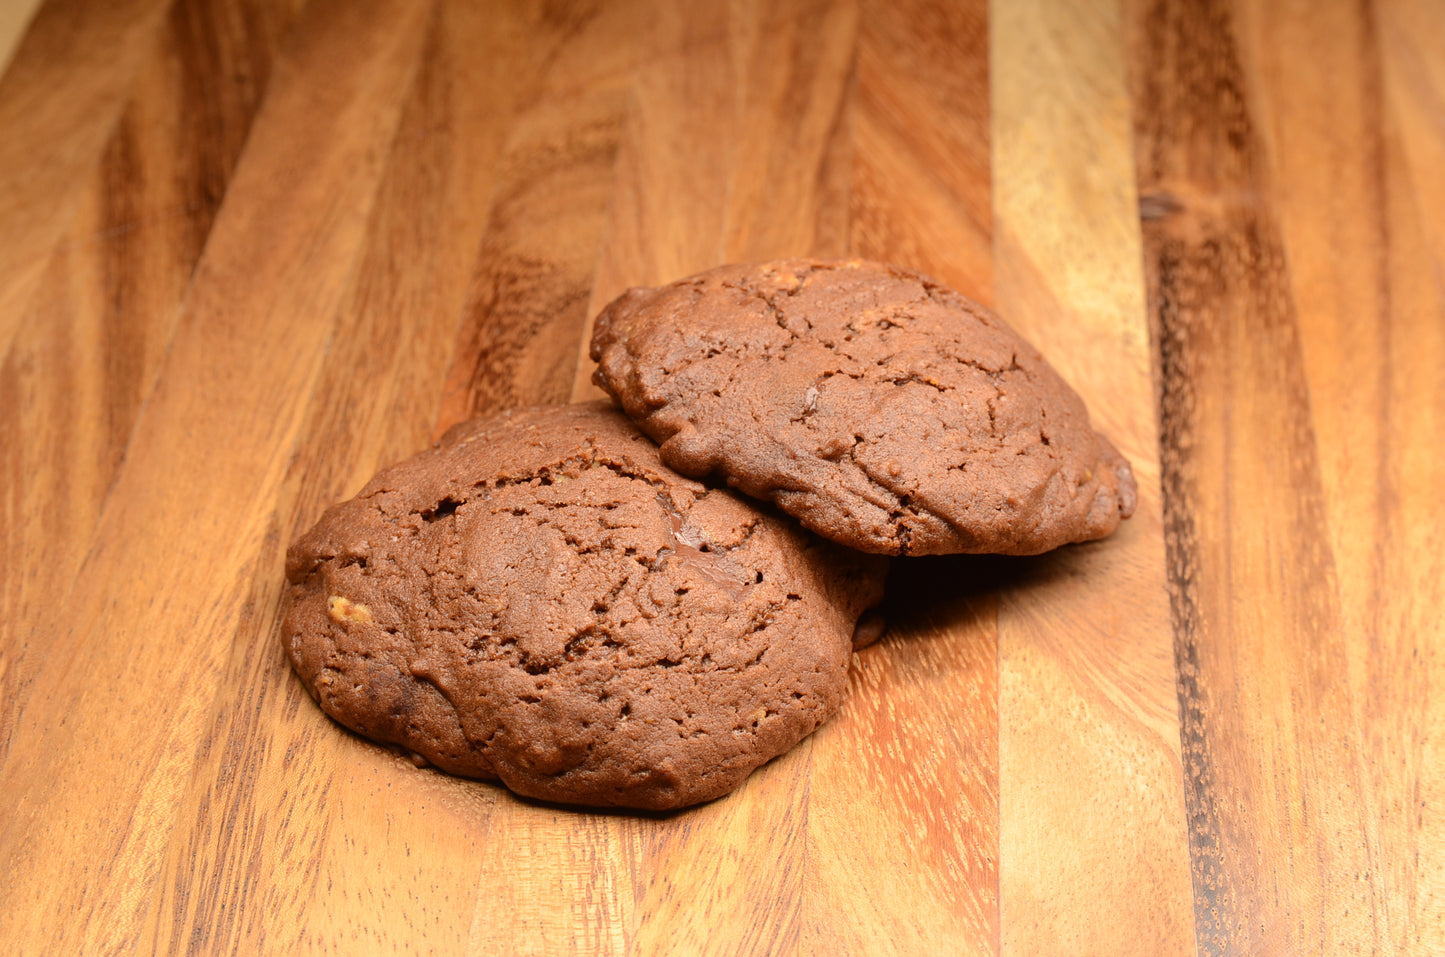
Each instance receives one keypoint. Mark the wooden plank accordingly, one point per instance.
(89, 346)
(1372, 337)
(570, 884)
(1275, 773)
(1093, 851)
(921, 172)
(903, 801)
(59, 99)
(191, 496)
(272, 852)
(620, 883)
(699, 184)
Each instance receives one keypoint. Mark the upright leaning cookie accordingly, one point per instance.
(539, 599)
(884, 411)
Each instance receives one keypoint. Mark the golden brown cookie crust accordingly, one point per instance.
(540, 600)
(881, 409)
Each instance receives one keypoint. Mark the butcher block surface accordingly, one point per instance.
(253, 250)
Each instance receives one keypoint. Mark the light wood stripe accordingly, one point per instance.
(1090, 786)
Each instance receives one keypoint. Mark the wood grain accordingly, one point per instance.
(923, 717)
(1092, 839)
(1256, 615)
(1376, 432)
(230, 350)
(58, 100)
(92, 339)
(1303, 689)
(252, 250)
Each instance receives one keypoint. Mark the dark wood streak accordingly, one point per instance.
(123, 175)
(1242, 491)
(225, 52)
(1173, 352)
(1171, 72)
(56, 123)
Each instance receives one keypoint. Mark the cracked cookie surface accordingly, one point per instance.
(884, 411)
(540, 600)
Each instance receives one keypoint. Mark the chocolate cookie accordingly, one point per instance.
(539, 599)
(884, 411)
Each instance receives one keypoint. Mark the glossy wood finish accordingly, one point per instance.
(252, 250)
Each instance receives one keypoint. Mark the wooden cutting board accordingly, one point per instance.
(252, 250)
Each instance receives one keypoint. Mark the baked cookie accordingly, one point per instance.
(882, 410)
(540, 600)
